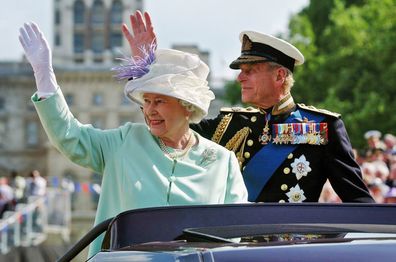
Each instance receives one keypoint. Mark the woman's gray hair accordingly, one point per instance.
(196, 113)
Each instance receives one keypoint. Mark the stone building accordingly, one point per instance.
(87, 43)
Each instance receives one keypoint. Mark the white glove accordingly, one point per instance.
(38, 54)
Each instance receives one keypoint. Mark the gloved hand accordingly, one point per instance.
(38, 54)
(143, 36)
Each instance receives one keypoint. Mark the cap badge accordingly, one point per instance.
(246, 43)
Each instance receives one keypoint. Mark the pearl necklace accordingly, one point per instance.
(178, 153)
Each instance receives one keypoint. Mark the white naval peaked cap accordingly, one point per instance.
(258, 47)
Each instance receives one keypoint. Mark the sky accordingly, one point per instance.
(212, 25)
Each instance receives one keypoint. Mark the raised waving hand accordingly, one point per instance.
(38, 53)
(142, 35)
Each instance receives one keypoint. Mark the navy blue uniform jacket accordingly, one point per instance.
(239, 130)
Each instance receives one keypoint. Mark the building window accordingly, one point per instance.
(78, 42)
(32, 133)
(115, 40)
(98, 60)
(2, 104)
(57, 39)
(98, 12)
(57, 17)
(97, 99)
(98, 43)
(79, 60)
(69, 99)
(97, 122)
(116, 12)
(79, 12)
(2, 133)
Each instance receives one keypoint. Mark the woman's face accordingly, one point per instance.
(165, 116)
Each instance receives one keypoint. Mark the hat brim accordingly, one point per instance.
(247, 59)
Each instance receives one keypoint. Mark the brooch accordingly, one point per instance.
(300, 167)
(296, 195)
(208, 157)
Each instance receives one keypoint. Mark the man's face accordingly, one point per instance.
(258, 85)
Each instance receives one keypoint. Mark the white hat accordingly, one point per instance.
(258, 47)
(372, 133)
(177, 74)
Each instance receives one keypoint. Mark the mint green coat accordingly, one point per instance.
(136, 173)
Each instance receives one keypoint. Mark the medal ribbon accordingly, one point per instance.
(268, 159)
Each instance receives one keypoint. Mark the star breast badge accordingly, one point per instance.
(300, 167)
(296, 194)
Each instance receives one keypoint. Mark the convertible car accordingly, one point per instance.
(248, 232)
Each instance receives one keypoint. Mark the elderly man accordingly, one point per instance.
(287, 151)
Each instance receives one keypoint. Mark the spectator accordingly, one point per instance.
(18, 183)
(7, 201)
(36, 184)
(390, 197)
(378, 190)
(6, 192)
(375, 146)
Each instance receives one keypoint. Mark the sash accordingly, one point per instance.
(268, 159)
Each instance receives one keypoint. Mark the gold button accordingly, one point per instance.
(296, 197)
(246, 155)
(290, 156)
(253, 118)
(284, 187)
(286, 170)
(250, 142)
(282, 201)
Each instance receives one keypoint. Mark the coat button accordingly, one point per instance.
(253, 119)
(290, 156)
(246, 155)
(284, 187)
(250, 142)
(286, 170)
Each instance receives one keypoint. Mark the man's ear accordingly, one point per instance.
(281, 74)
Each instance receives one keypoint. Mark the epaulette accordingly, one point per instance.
(237, 109)
(317, 110)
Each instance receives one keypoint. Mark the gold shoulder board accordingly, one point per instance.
(322, 111)
(237, 109)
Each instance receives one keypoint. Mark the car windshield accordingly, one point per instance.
(270, 234)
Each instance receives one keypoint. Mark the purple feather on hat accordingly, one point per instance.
(136, 67)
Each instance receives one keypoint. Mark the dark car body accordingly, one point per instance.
(253, 232)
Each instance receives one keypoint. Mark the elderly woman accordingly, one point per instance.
(160, 163)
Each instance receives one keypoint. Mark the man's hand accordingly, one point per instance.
(143, 33)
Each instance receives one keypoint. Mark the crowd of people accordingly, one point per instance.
(378, 164)
(15, 189)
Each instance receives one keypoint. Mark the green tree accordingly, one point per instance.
(232, 92)
(350, 68)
